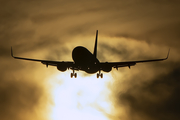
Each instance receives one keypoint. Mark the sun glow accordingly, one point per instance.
(81, 98)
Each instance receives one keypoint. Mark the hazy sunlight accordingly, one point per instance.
(81, 98)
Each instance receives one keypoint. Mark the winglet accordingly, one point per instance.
(12, 52)
(168, 54)
(95, 46)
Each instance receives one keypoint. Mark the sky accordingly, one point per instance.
(128, 30)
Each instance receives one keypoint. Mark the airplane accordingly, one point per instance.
(86, 61)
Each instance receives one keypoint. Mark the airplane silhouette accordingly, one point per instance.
(84, 60)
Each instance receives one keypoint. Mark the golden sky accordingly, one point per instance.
(128, 30)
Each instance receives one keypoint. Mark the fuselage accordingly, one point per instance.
(85, 60)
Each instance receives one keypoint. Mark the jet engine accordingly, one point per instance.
(106, 68)
(61, 67)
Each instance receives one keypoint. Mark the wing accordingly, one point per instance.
(130, 63)
(46, 62)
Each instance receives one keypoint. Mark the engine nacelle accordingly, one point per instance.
(61, 67)
(106, 68)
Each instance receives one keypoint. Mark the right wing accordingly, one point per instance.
(46, 62)
(130, 63)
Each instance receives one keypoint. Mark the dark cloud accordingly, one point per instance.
(41, 18)
(157, 99)
(17, 98)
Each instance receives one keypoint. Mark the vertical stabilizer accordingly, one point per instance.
(95, 46)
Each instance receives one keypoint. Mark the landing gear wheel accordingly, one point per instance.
(101, 75)
(97, 75)
(72, 75)
(75, 75)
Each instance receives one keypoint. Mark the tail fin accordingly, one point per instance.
(95, 46)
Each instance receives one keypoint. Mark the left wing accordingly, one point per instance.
(130, 63)
(46, 62)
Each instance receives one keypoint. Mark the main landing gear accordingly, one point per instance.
(99, 74)
(73, 74)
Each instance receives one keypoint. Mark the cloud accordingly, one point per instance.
(18, 99)
(146, 91)
(128, 30)
(20, 96)
(157, 99)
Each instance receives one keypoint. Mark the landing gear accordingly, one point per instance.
(99, 74)
(73, 74)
